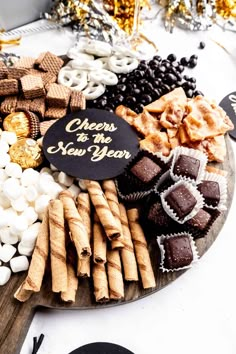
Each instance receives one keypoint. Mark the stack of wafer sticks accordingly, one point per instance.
(92, 235)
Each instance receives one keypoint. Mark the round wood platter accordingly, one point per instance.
(16, 316)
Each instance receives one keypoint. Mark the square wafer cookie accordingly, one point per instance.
(8, 105)
(77, 101)
(25, 62)
(17, 73)
(58, 96)
(23, 104)
(50, 62)
(3, 71)
(8, 87)
(32, 86)
(38, 106)
(55, 113)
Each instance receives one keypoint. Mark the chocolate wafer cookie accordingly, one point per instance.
(38, 106)
(32, 86)
(3, 71)
(50, 62)
(23, 104)
(25, 62)
(55, 113)
(58, 96)
(17, 73)
(77, 101)
(8, 87)
(8, 105)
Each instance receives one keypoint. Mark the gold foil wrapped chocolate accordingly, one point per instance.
(24, 124)
(27, 153)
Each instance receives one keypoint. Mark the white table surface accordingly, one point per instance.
(196, 313)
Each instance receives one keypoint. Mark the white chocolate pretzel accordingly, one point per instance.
(75, 79)
(104, 76)
(85, 64)
(98, 48)
(93, 90)
(122, 65)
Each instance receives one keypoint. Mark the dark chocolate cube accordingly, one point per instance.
(181, 200)
(186, 166)
(158, 215)
(210, 191)
(145, 169)
(178, 252)
(200, 220)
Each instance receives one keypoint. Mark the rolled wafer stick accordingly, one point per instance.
(76, 225)
(72, 285)
(114, 272)
(100, 283)
(141, 249)
(84, 209)
(102, 209)
(21, 294)
(99, 242)
(109, 188)
(38, 262)
(127, 252)
(57, 246)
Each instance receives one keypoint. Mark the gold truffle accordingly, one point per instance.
(27, 153)
(24, 124)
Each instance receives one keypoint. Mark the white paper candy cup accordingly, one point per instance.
(222, 181)
(197, 195)
(160, 241)
(199, 155)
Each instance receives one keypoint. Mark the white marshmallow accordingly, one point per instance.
(44, 183)
(4, 159)
(13, 170)
(55, 175)
(3, 220)
(29, 236)
(6, 236)
(82, 185)
(74, 190)
(12, 189)
(19, 204)
(29, 177)
(19, 264)
(46, 170)
(25, 250)
(10, 215)
(53, 168)
(3, 175)
(4, 147)
(30, 215)
(65, 179)
(54, 190)
(30, 193)
(7, 252)
(9, 137)
(41, 203)
(20, 225)
(4, 201)
(5, 274)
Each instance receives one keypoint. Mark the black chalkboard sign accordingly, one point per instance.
(101, 348)
(229, 105)
(91, 144)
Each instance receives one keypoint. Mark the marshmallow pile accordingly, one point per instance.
(24, 195)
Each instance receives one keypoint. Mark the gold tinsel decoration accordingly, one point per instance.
(122, 11)
(226, 8)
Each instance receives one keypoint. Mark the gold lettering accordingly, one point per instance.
(99, 153)
(66, 150)
(76, 124)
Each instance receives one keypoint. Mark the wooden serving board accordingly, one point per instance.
(16, 317)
